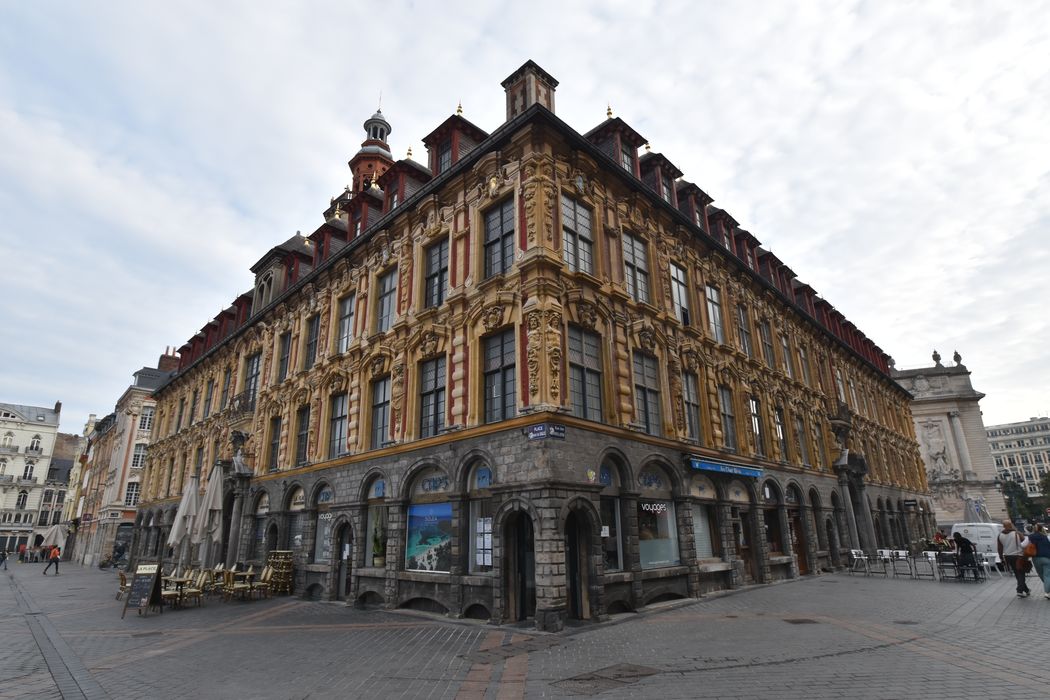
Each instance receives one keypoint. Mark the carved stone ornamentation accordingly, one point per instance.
(429, 343)
(647, 338)
(587, 314)
(533, 325)
(492, 317)
(674, 370)
(397, 394)
(378, 366)
(554, 352)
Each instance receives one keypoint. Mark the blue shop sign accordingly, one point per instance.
(723, 468)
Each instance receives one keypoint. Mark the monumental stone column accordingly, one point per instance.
(960, 445)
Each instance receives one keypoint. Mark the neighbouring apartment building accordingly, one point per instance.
(1022, 452)
(30, 494)
(948, 423)
(537, 377)
(112, 466)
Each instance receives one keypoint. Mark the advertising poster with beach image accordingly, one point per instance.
(429, 537)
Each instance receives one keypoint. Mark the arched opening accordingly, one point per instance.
(314, 592)
(425, 605)
(295, 505)
(609, 476)
(344, 539)
(519, 567)
(374, 554)
(428, 527)
(796, 529)
(706, 540)
(257, 547)
(771, 506)
(577, 565)
(477, 611)
(370, 599)
(323, 542)
(657, 521)
(271, 538)
(479, 530)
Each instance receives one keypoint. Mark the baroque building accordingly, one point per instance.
(111, 469)
(540, 377)
(28, 486)
(959, 470)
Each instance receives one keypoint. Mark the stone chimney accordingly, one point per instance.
(169, 361)
(527, 86)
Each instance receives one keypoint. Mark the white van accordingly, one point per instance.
(983, 535)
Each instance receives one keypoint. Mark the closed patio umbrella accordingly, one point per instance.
(208, 528)
(185, 517)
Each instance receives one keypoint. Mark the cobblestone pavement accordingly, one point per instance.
(832, 636)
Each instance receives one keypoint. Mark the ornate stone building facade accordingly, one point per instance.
(1022, 452)
(539, 378)
(28, 485)
(948, 423)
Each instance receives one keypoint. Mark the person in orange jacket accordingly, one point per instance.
(54, 558)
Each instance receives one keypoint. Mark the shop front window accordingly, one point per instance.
(480, 520)
(428, 527)
(703, 532)
(375, 522)
(323, 531)
(657, 526)
(612, 529)
(296, 505)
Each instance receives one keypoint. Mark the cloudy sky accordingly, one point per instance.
(895, 155)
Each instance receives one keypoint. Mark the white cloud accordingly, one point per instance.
(894, 155)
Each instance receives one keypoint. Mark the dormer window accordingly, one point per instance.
(667, 191)
(698, 218)
(444, 157)
(357, 224)
(394, 199)
(627, 160)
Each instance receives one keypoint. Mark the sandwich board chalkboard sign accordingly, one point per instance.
(144, 589)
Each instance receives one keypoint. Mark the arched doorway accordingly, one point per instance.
(271, 539)
(743, 528)
(519, 566)
(344, 562)
(577, 559)
(227, 516)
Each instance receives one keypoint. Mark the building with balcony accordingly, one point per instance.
(1022, 452)
(27, 445)
(959, 469)
(538, 376)
(110, 476)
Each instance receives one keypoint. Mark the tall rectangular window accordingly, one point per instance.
(251, 376)
(743, 331)
(499, 369)
(821, 446)
(839, 387)
(313, 330)
(385, 303)
(380, 412)
(302, 433)
(785, 351)
(725, 407)
(691, 398)
(193, 405)
(285, 350)
(182, 411)
(647, 393)
(146, 418)
(577, 240)
(347, 305)
(209, 393)
(766, 334)
(636, 268)
(585, 373)
(138, 458)
(714, 314)
(275, 442)
(758, 426)
(337, 426)
(803, 363)
(667, 190)
(225, 397)
(800, 439)
(436, 274)
(781, 431)
(131, 495)
(680, 294)
(444, 156)
(626, 159)
(198, 460)
(853, 393)
(499, 238)
(432, 397)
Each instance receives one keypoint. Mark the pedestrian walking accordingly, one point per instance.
(54, 558)
(22, 553)
(1041, 560)
(965, 551)
(1010, 553)
(3, 558)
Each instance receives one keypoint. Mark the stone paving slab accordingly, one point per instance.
(830, 636)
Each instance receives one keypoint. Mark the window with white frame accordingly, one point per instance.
(436, 280)
(138, 458)
(714, 314)
(499, 238)
(691, 399)
(347, 305)
(636, 267)
(757, 425)
(765, 333)
(577, 238)
(131, 494)
(146, 418)
(680, 294)
(743, 330)
(387, 290)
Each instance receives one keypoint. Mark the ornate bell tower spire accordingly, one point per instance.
(374, 158)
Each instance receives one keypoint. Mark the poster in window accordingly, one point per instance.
(429, 545)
